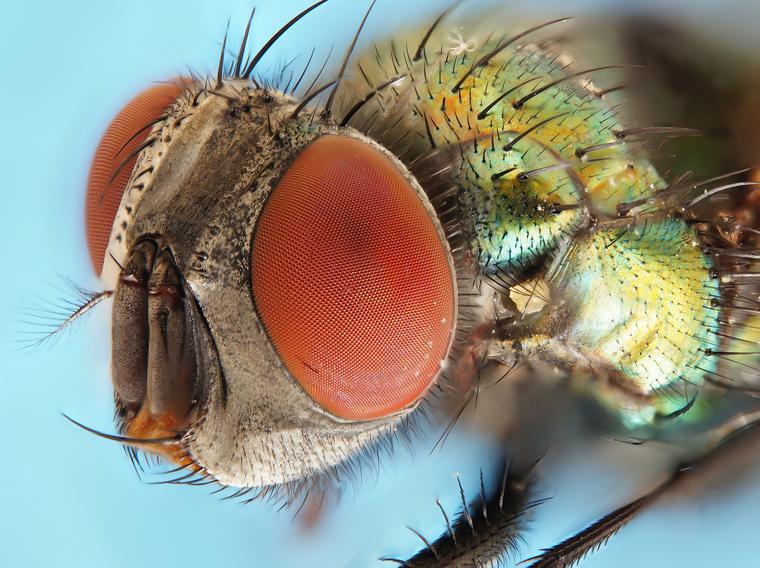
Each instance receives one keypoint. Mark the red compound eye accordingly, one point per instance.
(123, 136)
(353, 281)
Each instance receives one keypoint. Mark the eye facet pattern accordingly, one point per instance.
(352, 280)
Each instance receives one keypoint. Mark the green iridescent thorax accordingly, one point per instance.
(548, 188)
(531, 169)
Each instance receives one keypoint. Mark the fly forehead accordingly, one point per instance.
(209, 145)
(223, 244)
(148, 161)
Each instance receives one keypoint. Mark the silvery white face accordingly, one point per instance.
(284, 293)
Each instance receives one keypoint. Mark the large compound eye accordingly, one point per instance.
(353, 280)
(124, 135)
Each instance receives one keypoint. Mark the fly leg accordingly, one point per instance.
(731, 445)
(487, 530)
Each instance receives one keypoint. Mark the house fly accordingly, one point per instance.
(303, 266)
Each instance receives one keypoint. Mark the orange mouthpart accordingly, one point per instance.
(145, 426)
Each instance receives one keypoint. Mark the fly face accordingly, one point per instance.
(283, 291)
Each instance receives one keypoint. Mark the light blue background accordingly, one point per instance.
(69, 499)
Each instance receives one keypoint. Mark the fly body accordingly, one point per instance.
(301, 268)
